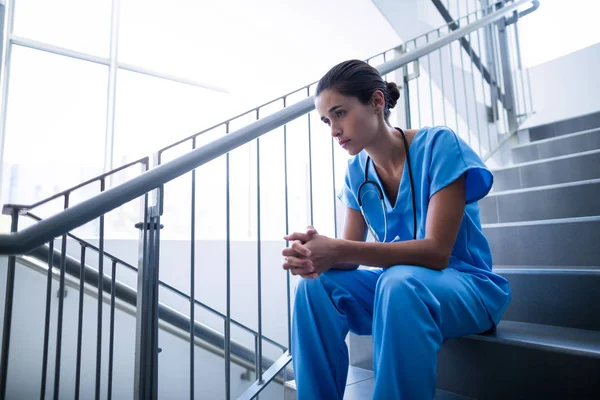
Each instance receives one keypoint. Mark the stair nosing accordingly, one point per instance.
(539, 345)
(571, 118)
(545, 160)
(593, 218)
(545, 187)
(555, 138)
(547, 271)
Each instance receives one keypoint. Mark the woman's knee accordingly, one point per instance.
(399, 279)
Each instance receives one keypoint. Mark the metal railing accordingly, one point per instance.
(498, 65)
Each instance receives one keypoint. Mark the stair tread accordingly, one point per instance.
(545, 187)
(546, 160)
(592, 218)
(556, 138)
(542, 269)
(568, 340)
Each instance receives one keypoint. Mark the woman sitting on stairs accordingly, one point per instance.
(430, 275)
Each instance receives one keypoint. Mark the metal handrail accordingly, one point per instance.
(22, 208)
(32, 237)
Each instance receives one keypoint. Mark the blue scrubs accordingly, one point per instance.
(409, 310)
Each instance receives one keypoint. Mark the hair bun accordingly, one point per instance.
(394, 93)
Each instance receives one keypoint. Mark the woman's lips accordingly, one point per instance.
(344, 142)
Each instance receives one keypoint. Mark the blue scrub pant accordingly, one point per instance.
(410, 311)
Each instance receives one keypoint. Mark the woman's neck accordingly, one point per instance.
(387, 150)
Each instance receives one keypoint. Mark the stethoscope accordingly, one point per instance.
(380, 194)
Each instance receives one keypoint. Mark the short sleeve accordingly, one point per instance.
(452, 158)
(346, 195)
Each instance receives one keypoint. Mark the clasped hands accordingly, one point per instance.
(309, 253)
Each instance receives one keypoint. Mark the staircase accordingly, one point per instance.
(542, 220)
(543, 223)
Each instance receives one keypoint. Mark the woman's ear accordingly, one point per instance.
(378, 101)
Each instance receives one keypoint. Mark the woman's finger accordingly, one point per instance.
(300, 248)
(314, 275)
(295, 262)
(303, 237)
(288, 252)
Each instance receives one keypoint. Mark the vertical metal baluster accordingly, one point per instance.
(471, 56)
(192, 277)
(456, 128)
(8, 309)
(487, 123)
(430, 83)
(111, 339)
(287, 228)
(142, 378)
(512, 52)
(502, 79)
(80, 321)
(61, 301)
(442, 79)
(520, 64)
(464, 80)
(259, 262)
(155, 299)
(100, 294)
(497, 82)
(310, 179)
(227, 279)
(417, 85)
(529, 88)
(47, 319)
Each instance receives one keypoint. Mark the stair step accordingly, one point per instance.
(564, 200)
(565, 127)
(523, 360)
(554, 242)
(360, 385)
(560, 297)
(569, 168)
(557, 146)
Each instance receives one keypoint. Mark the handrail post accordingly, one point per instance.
(401, 78)
(509, 92)
(146, 340)
(8, 309)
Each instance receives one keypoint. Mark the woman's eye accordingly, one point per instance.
(340, 114)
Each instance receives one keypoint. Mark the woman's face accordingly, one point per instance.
(352, 123)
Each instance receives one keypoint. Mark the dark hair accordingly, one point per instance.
(358, 79)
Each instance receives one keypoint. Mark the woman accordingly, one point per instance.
(432, 278)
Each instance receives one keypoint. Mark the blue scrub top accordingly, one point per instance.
(438, 157)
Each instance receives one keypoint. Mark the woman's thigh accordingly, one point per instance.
(352, 292)
(461, 311)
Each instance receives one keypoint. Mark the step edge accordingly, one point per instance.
(547, 160)
(593, 218)
(547, 271)
(545, 187)
(556, 138)
(571, 118)
(538, 345)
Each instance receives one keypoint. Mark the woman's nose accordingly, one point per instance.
(335, 131)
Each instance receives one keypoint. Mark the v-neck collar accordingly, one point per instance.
(374, 175)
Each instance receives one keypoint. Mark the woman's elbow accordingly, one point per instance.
(440, 259)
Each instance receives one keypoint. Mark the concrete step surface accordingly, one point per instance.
(569, 168)
(577, 142)
(551, 243)
(564, 200)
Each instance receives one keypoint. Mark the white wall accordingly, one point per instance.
(566, 87)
